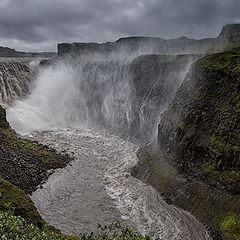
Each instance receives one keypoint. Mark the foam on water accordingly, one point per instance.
(97, 188)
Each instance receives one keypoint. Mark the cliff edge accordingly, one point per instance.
(196, 164)
(23, 167)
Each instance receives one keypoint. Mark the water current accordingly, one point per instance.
(97, 188)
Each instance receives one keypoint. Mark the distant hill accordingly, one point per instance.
(9, 52)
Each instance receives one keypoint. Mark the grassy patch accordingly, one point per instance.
(231, 226)
(22, 204)
(228, 61)
(15, 227)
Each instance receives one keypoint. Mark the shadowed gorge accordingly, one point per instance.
(141, 130)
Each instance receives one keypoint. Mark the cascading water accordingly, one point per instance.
(15, 78)
(73, 95)
(97, 188)
(125, 96)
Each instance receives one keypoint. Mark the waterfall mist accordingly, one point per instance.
(118, 92)
(73, 99)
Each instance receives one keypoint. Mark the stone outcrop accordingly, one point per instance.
(198, 166)
(25, 163)
(230, 32)
(150, 45)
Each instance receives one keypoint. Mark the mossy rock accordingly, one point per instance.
(3, 121)
(25, 163)
(200, 135)
(20, 201)
(205, 129)
(218, 210)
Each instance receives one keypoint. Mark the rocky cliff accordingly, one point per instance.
(24, 165)
(199, 136)
(148, 45)
(125, 87)
(155, 80)
(230, 32)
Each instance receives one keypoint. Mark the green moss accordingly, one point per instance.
(228, 61)
(208, 204)
(21, 202)
(203, 141)
(231, 226)
(215, 208)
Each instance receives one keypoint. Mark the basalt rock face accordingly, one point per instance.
(230, 32)
(3, 121)
(156, 79)
(198, 137)
(25, 163)
(201, 127)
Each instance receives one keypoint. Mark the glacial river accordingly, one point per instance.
(97, 187)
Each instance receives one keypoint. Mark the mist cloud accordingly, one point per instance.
(37, 25)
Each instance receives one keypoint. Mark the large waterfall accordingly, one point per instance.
(85, 105)
(123, 95)
(15, 78)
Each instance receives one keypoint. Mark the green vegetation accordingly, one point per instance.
(228, 61)
(205, 202)
(200, 135)
(22, 204)
(23, 162)
(211, 138)
(231, 226)
(14, 227)
(17, 228)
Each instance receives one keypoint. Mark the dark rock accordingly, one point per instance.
(24, 163)
(231, 32)
(199, 137)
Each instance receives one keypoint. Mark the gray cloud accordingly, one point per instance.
(36, 25)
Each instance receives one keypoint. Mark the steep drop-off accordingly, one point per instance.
(155, 80)
(24, 164)
(111, 86)
(15, 78)
(199, 135)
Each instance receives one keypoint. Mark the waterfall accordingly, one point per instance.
(16, 76)
(124, 94)
(73, 104)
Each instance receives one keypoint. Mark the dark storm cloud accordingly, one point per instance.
(40, 24)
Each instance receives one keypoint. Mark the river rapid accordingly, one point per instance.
(97, 187)
(95, 92)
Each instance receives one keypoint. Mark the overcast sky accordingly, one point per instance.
(38, 25)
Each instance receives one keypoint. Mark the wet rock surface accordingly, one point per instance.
(199, 137)
(25, 163)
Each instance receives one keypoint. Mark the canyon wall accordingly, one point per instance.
(196, 161)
